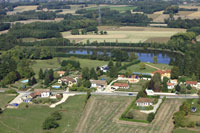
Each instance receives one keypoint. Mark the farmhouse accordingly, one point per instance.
(61, 73)
(170, 85)
(100, 84)
(120, 86)
(67, 80)
(163, 73)
(144, 101)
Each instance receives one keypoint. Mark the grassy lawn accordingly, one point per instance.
(5, 98)
(30, 119)
(136, 87)
(161, 66)
(54, 63)
(136, 68)
(184, 130)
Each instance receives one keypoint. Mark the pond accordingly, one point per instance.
(143, 56)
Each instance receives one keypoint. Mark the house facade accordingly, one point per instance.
(192, 83)
(120, 86)
(170, 85)
(144, 102)
(163, 73)
(42, 92)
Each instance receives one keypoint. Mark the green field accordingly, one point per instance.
(128, 34)
(120, 8)
(4, 99)
(183, 130)
(24, 120)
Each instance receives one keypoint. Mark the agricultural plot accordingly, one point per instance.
(23, 120)
(102, 115)
(22, 9)
(126, 34)
(120, 8)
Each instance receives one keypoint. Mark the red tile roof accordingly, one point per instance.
(162, 71)
(169, 84)
(61, 72)
(121, 84)
(145, 100)
(191, 82)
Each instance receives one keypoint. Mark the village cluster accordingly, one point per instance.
(122, 82)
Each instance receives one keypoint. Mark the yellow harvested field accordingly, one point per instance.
(128, 34)
(158, 17)
(198, 38)
(22, 9)
(159, 12)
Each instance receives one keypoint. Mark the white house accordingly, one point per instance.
(192, 83)
(170, 85)
(144, 102)
(100, 84)
(104, 68)
(43, 92)
(120, 86)
(121, 77)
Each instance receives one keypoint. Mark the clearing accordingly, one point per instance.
(128, 34)
(23, 120)
(5, 99)
(22, 9)
(102, 115)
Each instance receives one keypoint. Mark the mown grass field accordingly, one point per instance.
(24, 120)
(4, 99)
(120, 8)
(102, 115)
(128, 34)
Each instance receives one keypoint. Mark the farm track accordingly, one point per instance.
(102, 114)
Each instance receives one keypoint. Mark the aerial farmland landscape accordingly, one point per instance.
(99, 66)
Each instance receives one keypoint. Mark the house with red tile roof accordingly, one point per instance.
(163, 73)
(120, 86)
(67, 80)
(192, 83)
(61, 73)
(170, 85)
(144, 101)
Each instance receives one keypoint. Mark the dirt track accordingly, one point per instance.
(102, 114)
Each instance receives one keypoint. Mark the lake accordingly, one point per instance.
(144, 56)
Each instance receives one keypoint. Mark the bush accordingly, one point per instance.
(150, 117)
(191, 124)
(129, 115)
(49, 123)
(56, 115)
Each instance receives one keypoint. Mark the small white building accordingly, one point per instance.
(104, 68)
(144, 102)
(170, 86)
(42, 92)
(100, 84)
